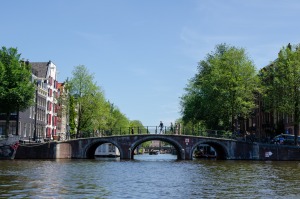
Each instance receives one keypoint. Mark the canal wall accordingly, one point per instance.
(49, 150)
(278, 152)
(262, 151)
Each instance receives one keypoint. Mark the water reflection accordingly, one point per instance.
(108, 159)
(158, 157)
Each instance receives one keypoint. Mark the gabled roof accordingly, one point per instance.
(40, 69)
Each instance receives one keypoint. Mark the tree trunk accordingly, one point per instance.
(296, 125)
(7, 126)
(79, 122)
(232, 124)
(296, 115)
(17, 122)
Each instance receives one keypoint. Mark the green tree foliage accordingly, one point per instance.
(89, 110)
(72, 116)
(102, 114)
(16, 87)
(282, 84)
(118, 121)
(138, 127)
(222, 90)
(88, 99)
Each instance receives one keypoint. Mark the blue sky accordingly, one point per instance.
(142, 53)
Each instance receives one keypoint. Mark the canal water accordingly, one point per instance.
(149, 177)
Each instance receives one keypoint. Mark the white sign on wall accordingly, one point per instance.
(268, 154)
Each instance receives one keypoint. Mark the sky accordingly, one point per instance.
(143, 53)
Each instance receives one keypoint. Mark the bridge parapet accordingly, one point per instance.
(166, 130)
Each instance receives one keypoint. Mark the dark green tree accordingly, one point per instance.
(281, 81)
(223, 89)
(16, 87)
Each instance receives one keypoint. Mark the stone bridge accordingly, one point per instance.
(226, 149)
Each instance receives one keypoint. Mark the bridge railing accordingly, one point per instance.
(167, 130)
(135, 130)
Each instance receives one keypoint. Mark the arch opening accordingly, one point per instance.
(103, 150)
(156, 148)
(209, 150)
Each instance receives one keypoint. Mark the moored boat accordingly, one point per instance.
(206, 156)
(153, 152)
(8, 147)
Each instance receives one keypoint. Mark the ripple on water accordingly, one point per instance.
(147, 177)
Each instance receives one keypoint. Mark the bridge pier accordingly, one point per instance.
(130, 154)
(183, 154)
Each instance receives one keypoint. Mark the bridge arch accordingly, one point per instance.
(221, 150)
(91, 148)
(174, 143)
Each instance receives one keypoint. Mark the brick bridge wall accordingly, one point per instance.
(226, 149)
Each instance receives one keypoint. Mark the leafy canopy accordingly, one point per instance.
(222, 90)
(16, 87)
(281, 83)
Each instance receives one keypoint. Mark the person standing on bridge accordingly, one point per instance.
(161, 127)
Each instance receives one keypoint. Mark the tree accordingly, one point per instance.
(102, 113)
(118, 120)
(86, 93)
(223, 89)
(72, 116)
(282, 84)
(89, 110)
(16, 87)
(138, 127)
